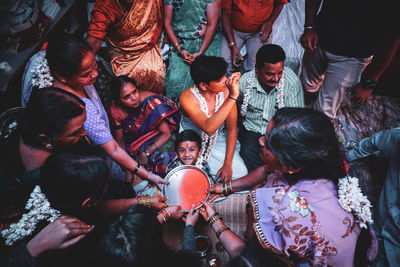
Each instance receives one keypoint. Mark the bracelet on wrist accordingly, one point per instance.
(231, 97)
(180, 51)
(146, 153)
(221, 230)
(145, 200)
(136, 169)
(213, 218)
(231, 44)
(229, 187)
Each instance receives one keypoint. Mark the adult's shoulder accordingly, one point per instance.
(289, 72)
(291, 77)
(185, 96)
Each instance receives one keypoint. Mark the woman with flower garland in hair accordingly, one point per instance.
(51, 122)
(73, 68)
(308, 209)
(70, 184)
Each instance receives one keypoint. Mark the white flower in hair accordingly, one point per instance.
(351, 199)
(39, 209)
(41, 76)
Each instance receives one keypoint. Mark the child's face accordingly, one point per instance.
(188, 152)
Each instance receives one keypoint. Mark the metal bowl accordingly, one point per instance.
(187, 186)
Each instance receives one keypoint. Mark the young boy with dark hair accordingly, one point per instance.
(188, 149)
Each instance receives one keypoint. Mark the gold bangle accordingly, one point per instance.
(231, 44)
(136, 169)
(145, 200)
(215, 217)
(221, 230)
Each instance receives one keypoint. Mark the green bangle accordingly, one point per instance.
(136, 169)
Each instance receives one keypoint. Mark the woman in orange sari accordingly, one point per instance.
(132, 31)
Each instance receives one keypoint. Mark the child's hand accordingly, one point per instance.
(192, 216)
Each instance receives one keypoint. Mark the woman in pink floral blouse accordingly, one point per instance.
(307, 208)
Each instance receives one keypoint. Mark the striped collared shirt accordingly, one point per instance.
(262, 106)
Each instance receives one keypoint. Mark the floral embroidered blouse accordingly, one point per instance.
(305, 220)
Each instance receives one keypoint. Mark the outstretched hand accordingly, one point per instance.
(157, 180)
(60, 234)
(207, 210)
(215, 191)
(192, 216)
(174, 212)
(158, 202)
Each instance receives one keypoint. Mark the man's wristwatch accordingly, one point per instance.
(367, 83)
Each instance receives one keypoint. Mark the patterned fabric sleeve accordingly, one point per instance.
(95, 126)
(115, 118)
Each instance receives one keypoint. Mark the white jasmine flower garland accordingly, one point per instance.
(352, 200)
(39, 209)
(280, 97)
(207, 143)
(41, 75)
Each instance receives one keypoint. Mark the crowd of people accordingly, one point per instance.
(82, 185)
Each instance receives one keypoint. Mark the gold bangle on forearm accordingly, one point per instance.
(221, 230)
(213, 218)
(145, 200)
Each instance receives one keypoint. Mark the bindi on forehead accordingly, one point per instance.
(187, 144)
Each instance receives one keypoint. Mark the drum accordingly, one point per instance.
(187, 185)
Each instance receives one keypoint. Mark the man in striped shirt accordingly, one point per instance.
(263, 91)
